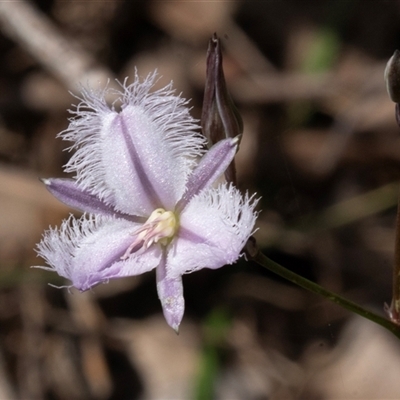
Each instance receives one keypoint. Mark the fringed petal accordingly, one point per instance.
(214, 229)
(137, 159)
(88, 251)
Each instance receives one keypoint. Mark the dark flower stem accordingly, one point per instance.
(255, 255)
(392, 78)
(394, 310)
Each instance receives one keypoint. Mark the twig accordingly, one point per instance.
(255, 255)
(63, 57)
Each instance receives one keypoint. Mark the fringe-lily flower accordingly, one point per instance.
(150, 201)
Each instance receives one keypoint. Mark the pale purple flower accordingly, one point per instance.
(150, 200)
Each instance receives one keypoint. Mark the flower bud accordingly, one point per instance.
(392, 77)
(219, 119)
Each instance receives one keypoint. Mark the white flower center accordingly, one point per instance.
(160, 227)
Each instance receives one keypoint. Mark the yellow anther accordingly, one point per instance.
(160, 227)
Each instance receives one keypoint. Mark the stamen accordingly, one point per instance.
(160, 227)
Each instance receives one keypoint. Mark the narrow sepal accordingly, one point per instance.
(71, 194)
(170, 293)
(210, 168)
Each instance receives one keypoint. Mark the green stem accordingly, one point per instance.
(278, 269)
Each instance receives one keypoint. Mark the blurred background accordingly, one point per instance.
(320, 146)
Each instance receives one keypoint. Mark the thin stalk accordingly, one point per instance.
(255, 255)
(394, 309)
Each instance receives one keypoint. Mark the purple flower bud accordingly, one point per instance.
(392, 77)
(219, 119)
